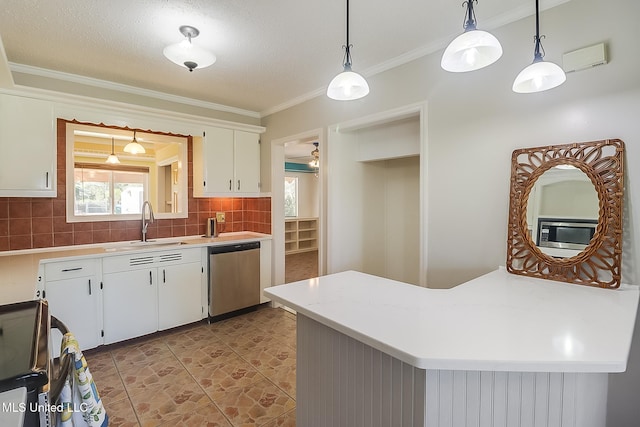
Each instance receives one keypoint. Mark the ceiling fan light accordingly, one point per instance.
(538, 77)
(347, 86)
(471, 50)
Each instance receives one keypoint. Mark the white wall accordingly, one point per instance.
(474, 123)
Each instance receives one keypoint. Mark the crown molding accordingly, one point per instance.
(104, 84)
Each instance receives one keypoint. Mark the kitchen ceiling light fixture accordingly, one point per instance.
(112, 159)
(473, 49)
(134, 147)
(348, 85)
(540, 75)
(186, 54)
(315, 163)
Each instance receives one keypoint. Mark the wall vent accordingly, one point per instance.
(584, 58)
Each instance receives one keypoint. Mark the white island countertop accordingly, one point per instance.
(496, 322)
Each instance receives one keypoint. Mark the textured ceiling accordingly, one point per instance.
(270, 53)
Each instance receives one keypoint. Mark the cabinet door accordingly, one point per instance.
(130, 301)
(247, 162)
(218, 161)
(27, 147)
(76, 302)
(179, 300)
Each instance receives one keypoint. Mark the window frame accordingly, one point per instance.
(112, 170)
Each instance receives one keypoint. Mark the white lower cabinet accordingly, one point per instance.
(72, 290)
(179, 300)
(144, 293)
(130, 304)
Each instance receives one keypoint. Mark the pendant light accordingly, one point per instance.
(186, 54)
(540, 75)
(348, 85)
(134, 147)
(112, 159)
(473, 49)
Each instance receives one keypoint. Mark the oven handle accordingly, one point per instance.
(65, 363)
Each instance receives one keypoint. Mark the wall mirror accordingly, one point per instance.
(101, 191)
(565, 213)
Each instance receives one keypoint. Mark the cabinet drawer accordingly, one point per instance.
(69, 269)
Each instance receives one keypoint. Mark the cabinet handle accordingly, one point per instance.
(229, 185)
(238, 184)
(66, 270)
(164, 276)
(89, 286)
(150, 278)
(46, 185)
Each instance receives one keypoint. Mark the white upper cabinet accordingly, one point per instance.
(226, 162)
(27, 147)
(246, 147)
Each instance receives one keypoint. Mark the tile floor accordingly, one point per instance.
(236, 372)
(300, 266)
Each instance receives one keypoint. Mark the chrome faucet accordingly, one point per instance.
(145, 223)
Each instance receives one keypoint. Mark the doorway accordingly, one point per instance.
(298, 214)
(301, 209)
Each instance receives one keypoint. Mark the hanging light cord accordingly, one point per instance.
(538, 53)
(470, 18)
(347, 47)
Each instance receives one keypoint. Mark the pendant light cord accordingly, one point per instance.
(347, 47)
(537, 54)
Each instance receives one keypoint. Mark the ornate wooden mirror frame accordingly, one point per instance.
(599, 264)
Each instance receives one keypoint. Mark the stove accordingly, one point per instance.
(24, 364)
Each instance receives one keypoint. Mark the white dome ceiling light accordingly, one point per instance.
(188, 55)
(348, 85)
(473, 49)
(540, 75)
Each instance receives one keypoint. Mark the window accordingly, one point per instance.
(290, 196)
(112, 192)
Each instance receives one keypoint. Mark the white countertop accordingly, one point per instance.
(497, 322)
(19, 269)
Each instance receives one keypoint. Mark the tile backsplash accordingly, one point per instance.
(27, 223)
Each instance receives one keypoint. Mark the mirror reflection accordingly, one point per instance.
(110, 181)
(562, 211)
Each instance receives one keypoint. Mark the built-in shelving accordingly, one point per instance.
(300, 235)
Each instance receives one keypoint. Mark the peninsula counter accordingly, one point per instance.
(499, 350)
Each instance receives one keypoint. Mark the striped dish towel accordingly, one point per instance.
(79, 399)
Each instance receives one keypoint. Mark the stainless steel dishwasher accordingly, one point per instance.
(234, 277)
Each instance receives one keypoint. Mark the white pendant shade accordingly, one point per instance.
(134, 147)
(186, 53)
(471, 50)
(347, 86)
(538, 77)
(112, 159)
